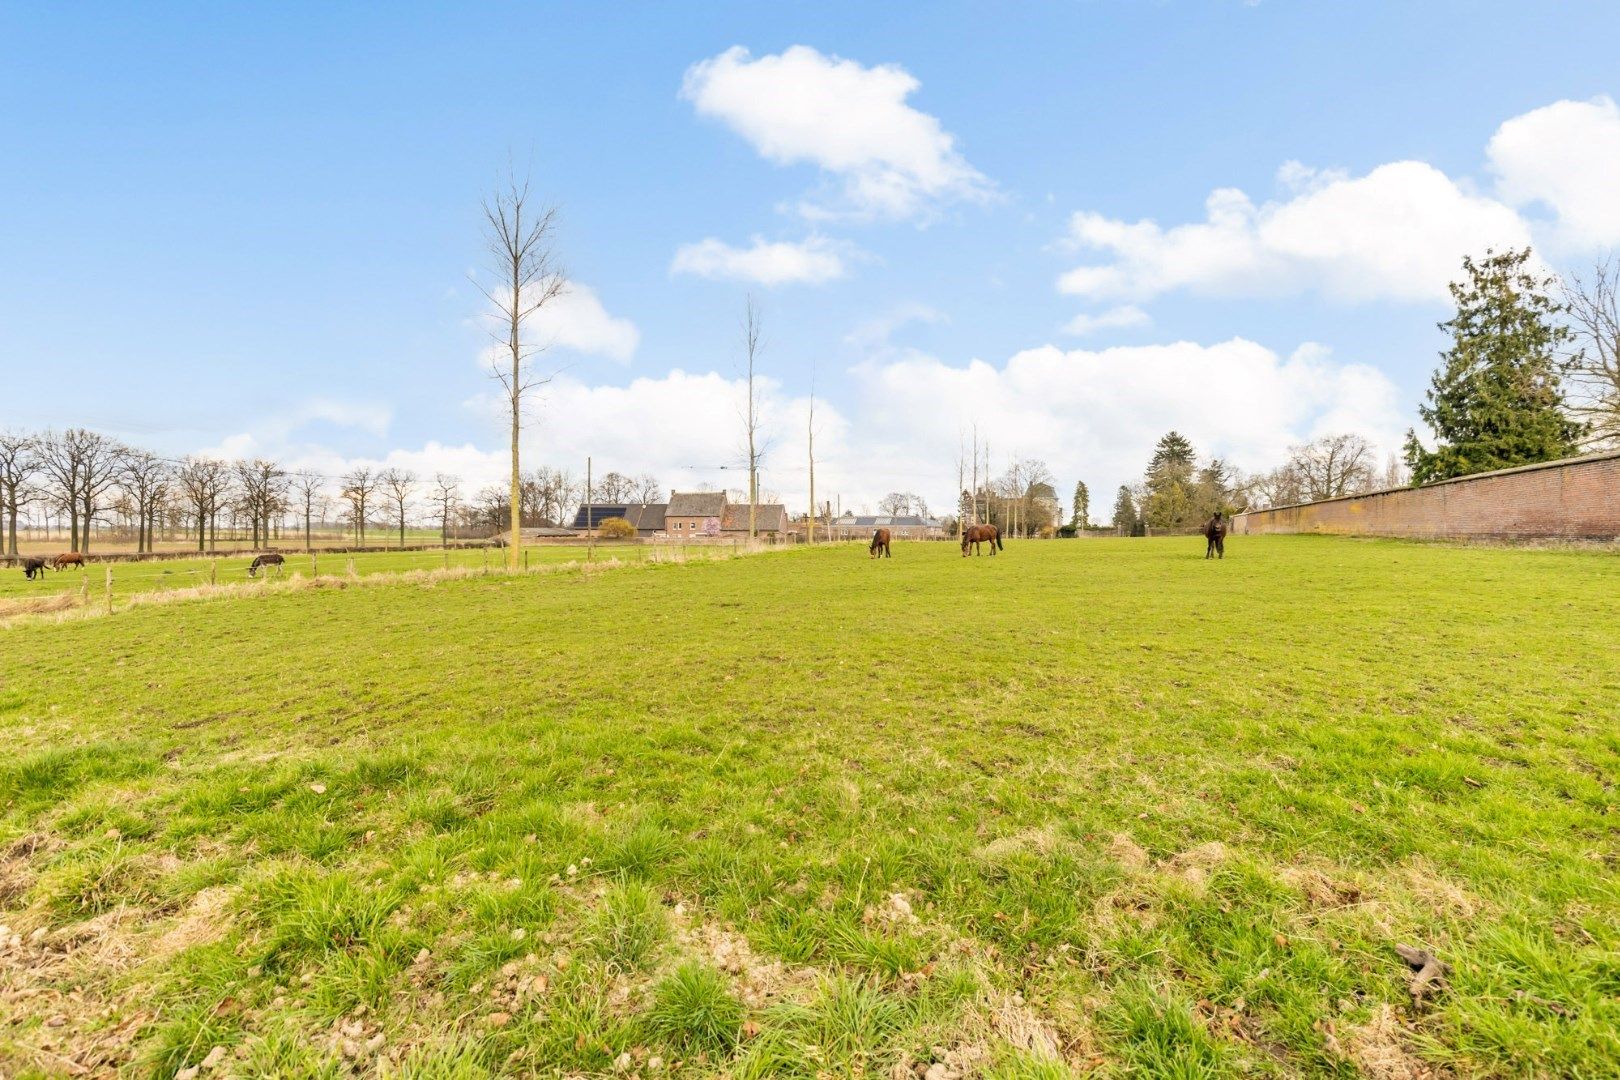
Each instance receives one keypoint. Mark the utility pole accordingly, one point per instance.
(590, 517)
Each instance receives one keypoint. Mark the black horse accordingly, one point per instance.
(35, 564)
(260, 562)
(1215, 533)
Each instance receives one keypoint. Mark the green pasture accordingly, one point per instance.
(1088, 807)
(167, 574)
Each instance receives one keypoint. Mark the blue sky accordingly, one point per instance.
(250, 230)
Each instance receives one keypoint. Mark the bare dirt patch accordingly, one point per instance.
(758, 981)
(1044, 841)
(1380, 1048)
(1128, 853)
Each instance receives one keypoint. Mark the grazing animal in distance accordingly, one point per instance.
(1215, 534)
(35, 564)
(69, 558)
(974, 535)
(268, 560)
(879, 547)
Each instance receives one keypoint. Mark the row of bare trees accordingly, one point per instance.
(1324, 468)
(83, 480)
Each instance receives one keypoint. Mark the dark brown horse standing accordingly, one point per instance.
(974, 535)
(879, 547)
(261, 562)
(1215, 533)
(69, 558)
(35, 564)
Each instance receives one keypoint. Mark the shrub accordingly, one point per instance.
(615, 528)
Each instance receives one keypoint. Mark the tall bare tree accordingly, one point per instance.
(962, 500)
(810, 448)
(358, 487)
(647, 489)
(397, 487)
(1332, 466)
(83, 465)
(554, 492)
(1395, 474)
(614, 487)
(446, 494)
(525, 279)
(145, 478)
(103, 460)
(309, 491)
(751, 347)
(1593, 367)
(63, 467)
(262, 493)
(204, 484)
(19, 464)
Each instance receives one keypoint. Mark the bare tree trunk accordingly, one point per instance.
(751, 421)
(810, 433)
(521, 253)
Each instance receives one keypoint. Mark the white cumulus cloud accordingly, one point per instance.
(1125, 317)
(811, 262)
(1398, 233)
(1092, 415)
(800, 106)
(576, 320)
(1565, 156)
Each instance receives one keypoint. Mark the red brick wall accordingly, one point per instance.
(1578, 498)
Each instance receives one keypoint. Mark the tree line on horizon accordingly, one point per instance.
(80, 479)
(1531, 374)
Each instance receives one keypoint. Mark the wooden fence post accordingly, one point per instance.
(109, 588)
(213, 571)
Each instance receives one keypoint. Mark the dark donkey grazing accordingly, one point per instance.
(69, 558)
(1215, 533)
(263, 561)
(975, 535)
(879, 547)
(35, 564)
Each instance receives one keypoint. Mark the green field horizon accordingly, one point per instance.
(1089, 808)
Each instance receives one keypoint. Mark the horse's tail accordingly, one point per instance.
(999, 545)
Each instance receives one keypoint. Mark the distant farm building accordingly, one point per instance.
(690, 512)
(900, 526)
(648, 518)
(690, 515)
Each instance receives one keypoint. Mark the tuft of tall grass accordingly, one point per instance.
(694, 1010)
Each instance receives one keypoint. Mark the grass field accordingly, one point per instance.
(169, 574)
(1088, 807)
(121, 542)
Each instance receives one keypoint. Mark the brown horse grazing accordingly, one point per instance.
(879, 547)
(35, 564)
(69, 558)
(975, 535)
(270, 559)
(1215, 533)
